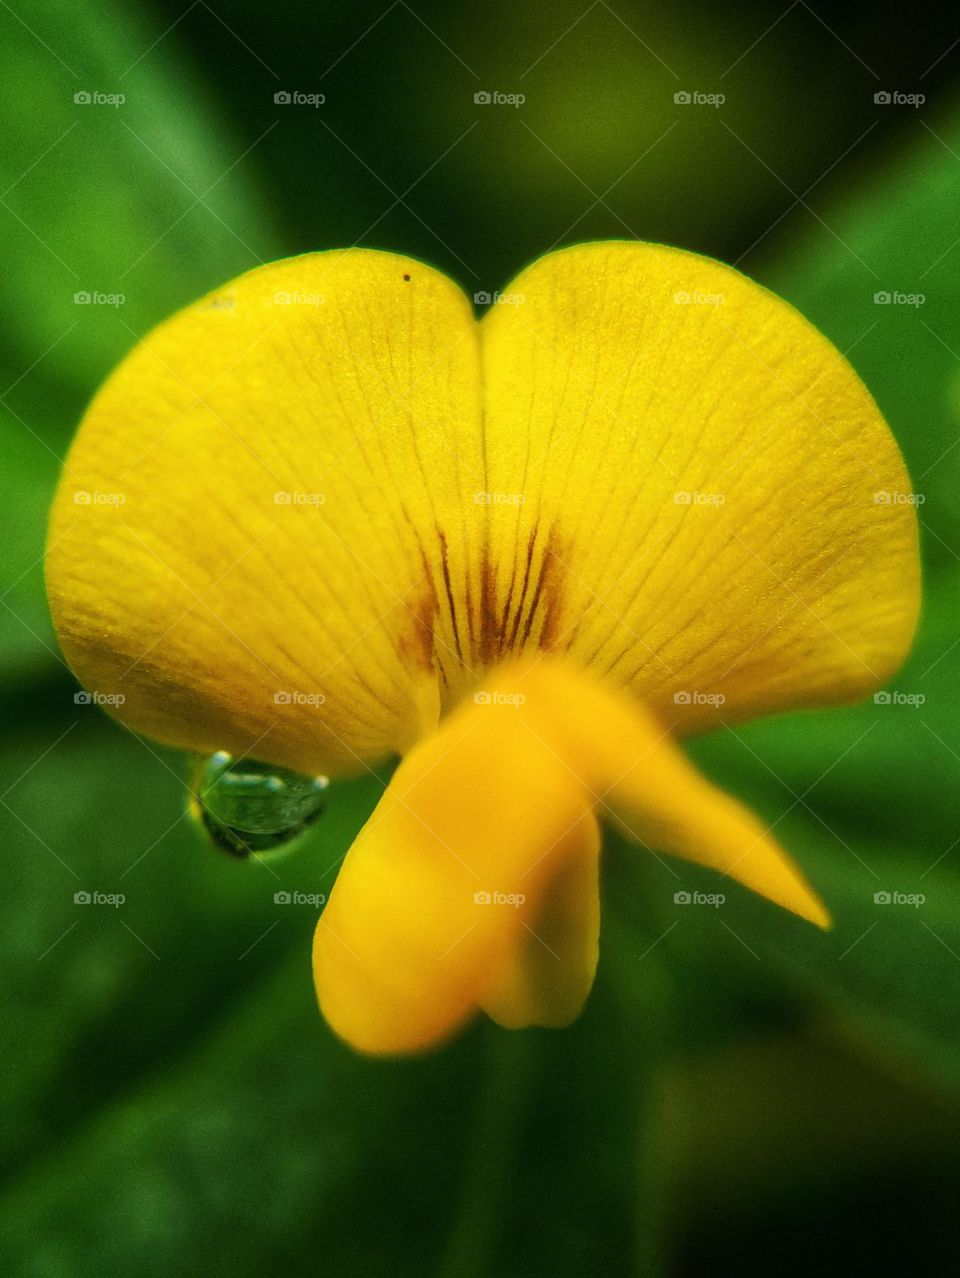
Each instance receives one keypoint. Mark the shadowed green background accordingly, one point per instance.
(742, 1094)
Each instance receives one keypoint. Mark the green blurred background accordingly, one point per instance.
(742, 1094)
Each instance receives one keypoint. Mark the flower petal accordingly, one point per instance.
(293, 524)
(710, 506)
(263, 512)
(474, 882)
(430, 911)
(628, 760)
(552, 971)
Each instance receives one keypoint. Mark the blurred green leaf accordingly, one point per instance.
(896, 238)
(889, 971)
(174, 1076)
(153, 201)
(152, 198)
(91, 808)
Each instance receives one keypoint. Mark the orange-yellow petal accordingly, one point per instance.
(551, 973)
(628, 759)
(474, 883)
(433, 902)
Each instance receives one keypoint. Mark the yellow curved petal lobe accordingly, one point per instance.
(262, 518)
(438, 895)
(307, 513)
(548, 978)
(715, 515)
(474, 883)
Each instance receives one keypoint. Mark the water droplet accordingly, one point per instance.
(250, 807)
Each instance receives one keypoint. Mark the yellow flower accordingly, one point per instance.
(326, 517)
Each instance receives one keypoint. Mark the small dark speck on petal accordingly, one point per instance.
(406, 277)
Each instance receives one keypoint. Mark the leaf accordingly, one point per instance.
(881, 282)
(889, 971)
(779, 1127)
(113, 216)
(173, 1075)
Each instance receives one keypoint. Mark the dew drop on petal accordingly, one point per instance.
(245, 806)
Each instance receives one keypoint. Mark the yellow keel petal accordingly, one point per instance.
(552, 972)
(436, 895)
(629, 760)
(474, 883)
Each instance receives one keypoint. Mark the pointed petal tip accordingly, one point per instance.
(813, 911)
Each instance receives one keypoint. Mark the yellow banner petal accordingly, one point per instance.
(293, 524)
(711, 511)
(261, 539)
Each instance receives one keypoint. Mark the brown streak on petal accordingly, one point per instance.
(531, 544)
(547, 592)
(415, 641)
(491, 636)
(493, 630)
(449, 591)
